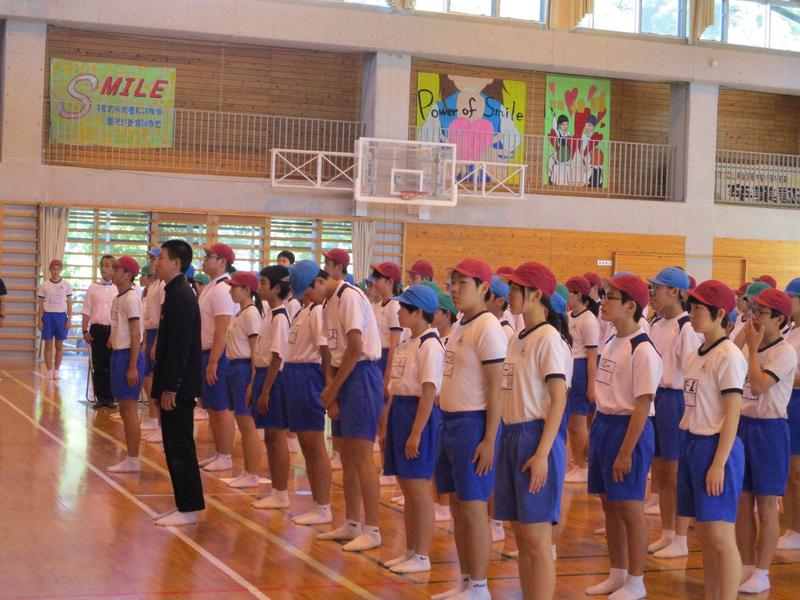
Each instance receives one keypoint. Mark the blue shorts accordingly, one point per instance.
(793, 411)
(577, 404)
(237, 378)
(455, 471)
(605, 440)
(402, 414)
(119, 380)
(669, 436)
(302, 385)
(766, 455)
(276, 417)
(360, 402)
(696, 457)
(54, 325)
(512, 500)
(149, 340)
(215, 397)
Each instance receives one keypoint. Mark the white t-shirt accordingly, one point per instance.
(569, 362)
(349, 310)
(55, 294)
(517, 322)
(534, 357)
(793, 338)
(386, 317)
(629, 367)
(293, 307)
(97, 302)
(710, 374)
(306, 335)
(152, 304)
(585, 331)
(607, 330)
(738, 325)
(508, 328)
(676, 342)
(243, 326)
(215, 300)
(417, 361)
(125, 307)
(473, 343)
(778, 360)
(273, 337)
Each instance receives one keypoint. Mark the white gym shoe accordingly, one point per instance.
(498, 531)
(221, 463)
(275, 500)
(577, 475)
(149, 424)
(245, 480)
(441, 513)
(319, 515)
(336, 462)
(350, 530)
(129, 465)
(366, 541)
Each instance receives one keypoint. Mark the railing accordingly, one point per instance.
(312, 169)
(757, 179)
(574, 166)
(193, 141)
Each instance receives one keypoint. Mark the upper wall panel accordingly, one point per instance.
(758, 122)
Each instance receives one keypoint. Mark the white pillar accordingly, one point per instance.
(387, 89)
(23, 90)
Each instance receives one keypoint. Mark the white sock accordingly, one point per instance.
(400, 559)
(456, 590)
(678, 547)
(614, 581)
(416, 564)
(667, 535)
(349, 530)
(758, 582)
(370, 538)
(632, 590)
(789, 541)
(477, 589)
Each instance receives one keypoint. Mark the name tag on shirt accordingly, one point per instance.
(605, 370)
(293, 335)
(449, 363)
(507, 377)
(113, 316)
(333, 339)
(690, 392)
(398, 367)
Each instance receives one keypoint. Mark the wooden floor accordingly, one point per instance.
(69, 530)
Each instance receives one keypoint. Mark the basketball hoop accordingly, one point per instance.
(409, 196)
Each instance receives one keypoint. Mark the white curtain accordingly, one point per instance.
(702, 17)
(53, 221)
(401, 4)
(363, 245)
(566, 14)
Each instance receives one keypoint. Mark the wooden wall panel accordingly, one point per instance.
(646, 265)
(758, 122)
(730, 270)
(778, 258)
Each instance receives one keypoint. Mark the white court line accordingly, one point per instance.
(254, 591)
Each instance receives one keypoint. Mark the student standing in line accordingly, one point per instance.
(96, 327)
(771, 368)
(711, 463)
(621, 439)
(753, 290)
(153, 299)
(386, 280)
(420, 272)
(127, 360)
(53, 316)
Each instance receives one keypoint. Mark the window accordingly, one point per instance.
(660, 17)
(747, 23)
(528, 10)
(760, 23)
(247, 243)
(784, 26)
(473, 7)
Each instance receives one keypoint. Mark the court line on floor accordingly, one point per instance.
(252, 525)
(252, 589)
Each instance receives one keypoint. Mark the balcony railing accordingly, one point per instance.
(758, 179)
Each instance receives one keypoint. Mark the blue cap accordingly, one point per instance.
(793, 289)
(733, 315)
(349, 279)
(558, 304)
(302, 276)
(190, 272)
(499, 288)
(672, 277)
(155, 252)
(420, 296)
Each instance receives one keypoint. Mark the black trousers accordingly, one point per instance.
(177, 428)
(101, 362)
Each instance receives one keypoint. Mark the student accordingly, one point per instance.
(353, 395)
(768, 279)
(497, 304)
(532, 456)
(791, 502)
(216, 311)
(153, 299)
(676, 341)
(470, 419)
(271, 413)
(386, 280)
(584, 328)
(752, 290)
(96, 327)
(771, 367)
(741, 310)
(285, 258)
(621, 439)
(711, 463)
(410, 423)
(420, 272)
(127, 360)
(240, 349)
(53, 316)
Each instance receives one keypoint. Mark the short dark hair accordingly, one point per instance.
(713, 310)
(106, 257)
(412, 309)
(277, 275)
(180, 250)
(288, 255)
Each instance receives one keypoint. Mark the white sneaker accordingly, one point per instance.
(245, 480)
(366, 541)
(275, 500)
(415, 564)
(221, 463)
(757, 583)
(441, 513)
(176, 519)
(294, 445)
(155, 437)
(129, 465)
(320, 515)
(336, 462)
(207, 461)
(498, 531)
(387, 480)
(399, 559)
(200, 414)
(350, 530)
(577, 475)
(677, 548)
(164, 514)
(789, 541)
(149, 424)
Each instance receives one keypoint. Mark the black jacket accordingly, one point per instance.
(178, 366)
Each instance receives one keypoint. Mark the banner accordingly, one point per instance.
(758, 184)
(577, 124)
(100, 104)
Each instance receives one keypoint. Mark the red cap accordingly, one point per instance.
(769, 280)
(579, 284)
(128, 263)
(632, 285)
(244, 279)
(473, 267)
(223, 251)
(339, 256)
(389, 270)
(742, 289)
(594, 279)
(56, 261)
(776, 300)
(693, 283)
(422, 268)
(535, 275)
(505, 271)
(716, 294)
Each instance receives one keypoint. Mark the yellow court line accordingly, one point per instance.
(252, 589)
(252, 525)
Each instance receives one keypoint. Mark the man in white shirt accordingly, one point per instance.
(96, 327)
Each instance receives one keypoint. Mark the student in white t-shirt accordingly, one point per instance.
(53, 316)
(750, 293)
(711, 463)
(151, 305)
(532, 455)
(621, 440)
(127, 360)
(497, 304)
(386, 278)
(771, 368)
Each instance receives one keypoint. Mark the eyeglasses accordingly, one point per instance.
(763, 313)
(212, 256)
